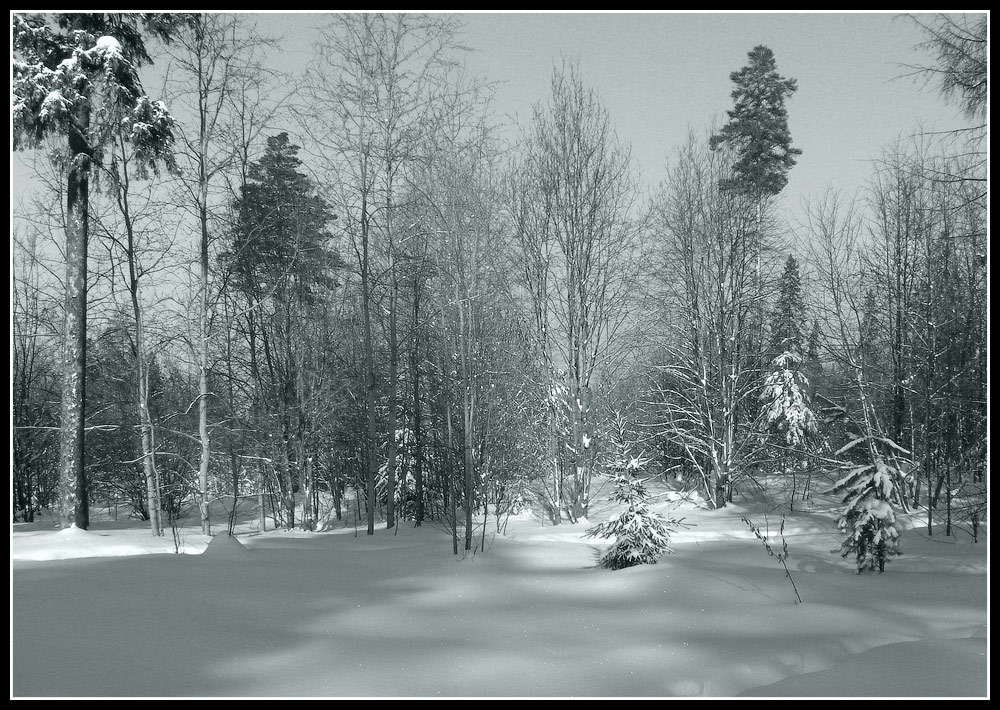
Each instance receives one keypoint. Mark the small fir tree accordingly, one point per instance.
(788, 419)
(868, 521)
(641, 536)
(786, 407)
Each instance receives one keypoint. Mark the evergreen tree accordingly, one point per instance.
(284, 267)
(281, 239)
(788, 318)
(786, 401)
(787, 415)
(758, 128)
(961, 50)
(868, 521)
(75, 76)
(641, 536)
(812, 352)
(759, 146)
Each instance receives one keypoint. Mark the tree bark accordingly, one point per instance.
(418, 458)
(74, 505)
(203, 391)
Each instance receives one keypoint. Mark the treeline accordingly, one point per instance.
(341, 294)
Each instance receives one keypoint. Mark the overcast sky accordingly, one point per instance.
(661, 74)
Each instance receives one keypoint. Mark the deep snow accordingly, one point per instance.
(113, 612)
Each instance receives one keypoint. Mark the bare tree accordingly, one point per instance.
(34, 340)
(209, 63)
(710, 280)
(576, 239)
(367, 93)
(926, 279)
(129, 232)
(462, 229)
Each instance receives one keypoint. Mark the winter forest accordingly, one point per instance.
(345, 297)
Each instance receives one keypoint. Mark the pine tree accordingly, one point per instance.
(82, 85)
(759, 146)
(868, 520)
(758, 127)
(641, 536)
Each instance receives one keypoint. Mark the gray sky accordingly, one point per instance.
(661, 74)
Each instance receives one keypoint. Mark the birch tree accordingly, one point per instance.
(209, 65)
(142, 250)
(464, 229)
(576, 238)
(708, 378)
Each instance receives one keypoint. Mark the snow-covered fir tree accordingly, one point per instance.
(641, 536)
(785, 400)
(868, 522)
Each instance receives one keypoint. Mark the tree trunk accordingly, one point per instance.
(203, 392)
(392, 447)
(470, 478)
(308, 513)
(418, 459)
(74, 508)
(142, 370)
(390, 464)
(369, 364)
(449, 472)
(148, 454)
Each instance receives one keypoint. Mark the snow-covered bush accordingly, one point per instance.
(868, 521)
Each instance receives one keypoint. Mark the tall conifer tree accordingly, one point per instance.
(758, 127)
(77, 77)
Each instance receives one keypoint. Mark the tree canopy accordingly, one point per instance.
(758, 127)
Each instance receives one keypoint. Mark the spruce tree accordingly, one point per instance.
(788, 420)
(785, 396)
(868, 522)
(281, 241)
(283, 264)
(641, 536)
(785, 400)
(788, 318)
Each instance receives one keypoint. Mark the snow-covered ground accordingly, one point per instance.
(114, 612)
